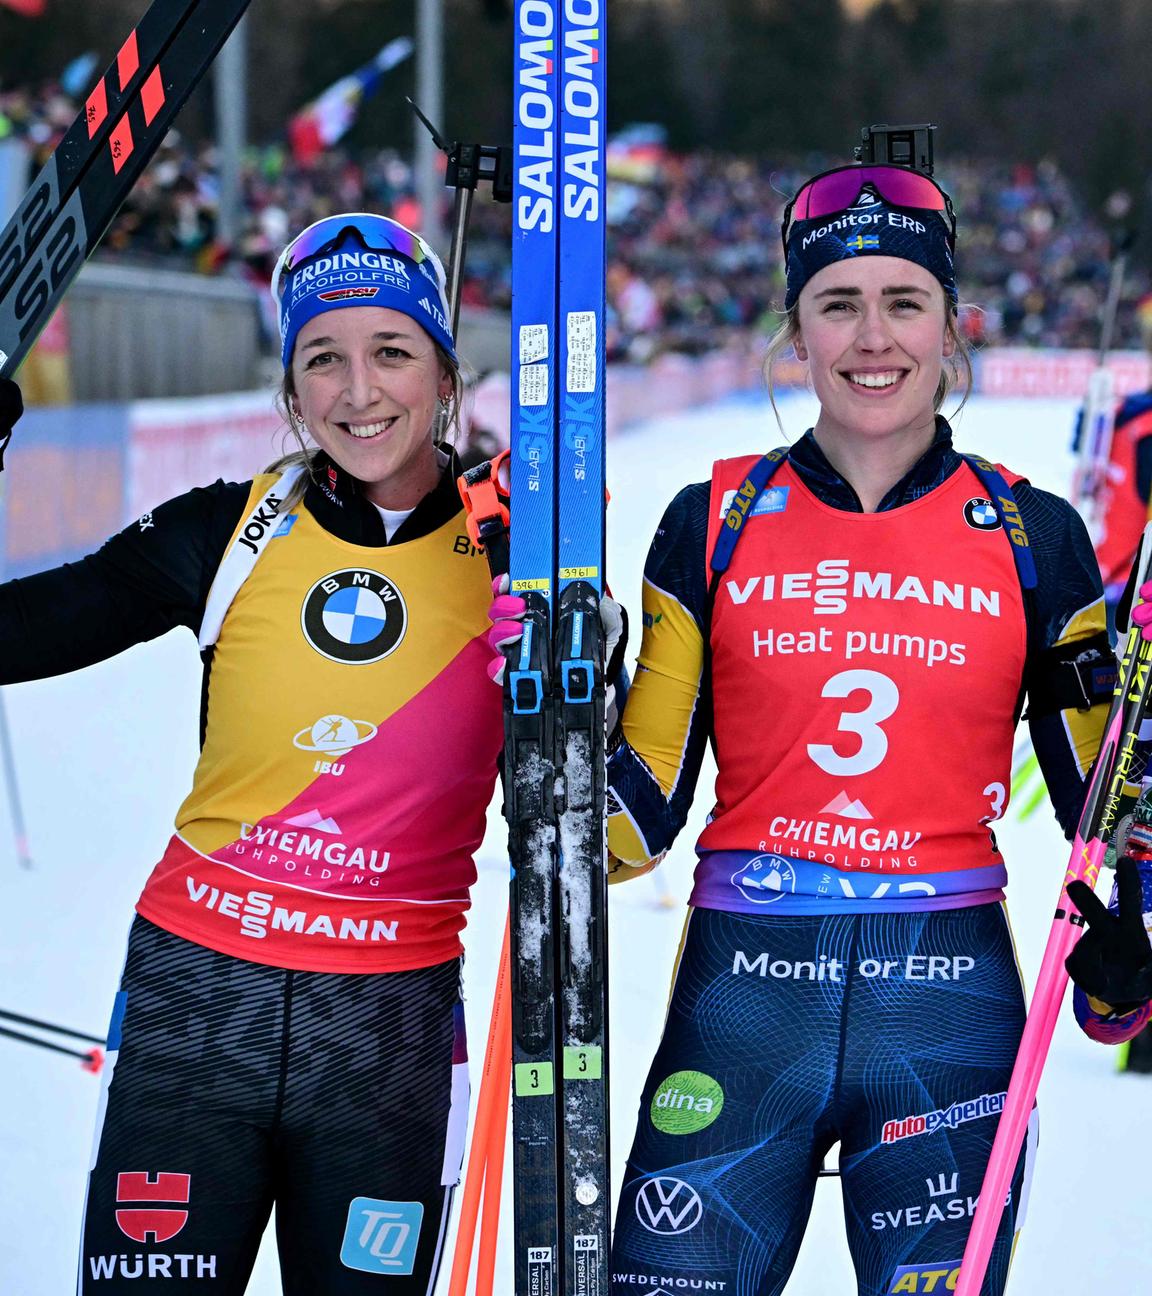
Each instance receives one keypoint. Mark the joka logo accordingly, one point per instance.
(354, 616)
(940, 1277)
(152, 1223)
(259, 522)
(980, 514)
(668, 1206)
(686, 1102)
(381, 1236)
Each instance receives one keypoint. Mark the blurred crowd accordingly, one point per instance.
(693, 240)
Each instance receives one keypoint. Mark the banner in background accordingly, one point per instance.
(76, 474)
(173, 445)
(1031, 371)
(63, 485)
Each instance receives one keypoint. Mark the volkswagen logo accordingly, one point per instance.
(668, 1206)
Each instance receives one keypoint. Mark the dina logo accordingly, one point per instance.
(685, 1103)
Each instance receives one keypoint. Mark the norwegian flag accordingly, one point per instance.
(29, 8)
(322, 122)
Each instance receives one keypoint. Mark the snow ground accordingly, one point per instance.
(106, 755)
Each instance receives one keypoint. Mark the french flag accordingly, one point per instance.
(321, 123)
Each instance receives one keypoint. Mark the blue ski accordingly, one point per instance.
(554, 702)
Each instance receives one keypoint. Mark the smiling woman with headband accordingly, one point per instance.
(289, 1028)
(853, 623)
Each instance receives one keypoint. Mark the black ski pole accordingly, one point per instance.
(21, 1020)
(90, 1059)
(468, 165)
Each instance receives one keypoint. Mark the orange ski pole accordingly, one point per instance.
(486, 1104)
(497, 1131)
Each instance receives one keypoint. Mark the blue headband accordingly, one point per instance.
(352, 274)
(870, 228)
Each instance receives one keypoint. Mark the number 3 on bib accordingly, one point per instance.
(883, 699)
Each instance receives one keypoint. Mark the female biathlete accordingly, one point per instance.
(854, 623)
(289, 1028)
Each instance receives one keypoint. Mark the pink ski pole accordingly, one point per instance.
(1098, 820)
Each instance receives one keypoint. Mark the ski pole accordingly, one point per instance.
(21, 1020)
(474, 1181)
(1095, 429)
(13, 787)
(1102, 809)
(497, 1132)
(91, 1059)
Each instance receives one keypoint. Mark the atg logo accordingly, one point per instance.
(668, 1206)
(381, 1237)
(938, 1277)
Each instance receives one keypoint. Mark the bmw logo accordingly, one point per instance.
(354, 616)
(980, 514)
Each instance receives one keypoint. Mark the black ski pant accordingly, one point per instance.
(233, 1087)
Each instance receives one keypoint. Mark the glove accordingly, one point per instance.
(1112, 961)
(507, 616)
(1141, 615)
(11, 407)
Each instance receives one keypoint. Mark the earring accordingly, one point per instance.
(444, 401)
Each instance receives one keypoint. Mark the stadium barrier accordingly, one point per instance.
(77, 473)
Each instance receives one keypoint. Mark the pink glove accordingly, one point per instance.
(507, 617)
(1142, 613)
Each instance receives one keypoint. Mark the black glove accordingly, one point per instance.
(11, 407)
(1112, 961)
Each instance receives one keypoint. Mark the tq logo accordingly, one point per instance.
(162, 1223)
(669, 1206)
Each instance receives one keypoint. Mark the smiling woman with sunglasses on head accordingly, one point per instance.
(854, 623)
(289, 1029)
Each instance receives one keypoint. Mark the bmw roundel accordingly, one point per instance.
(980, 514)
(354, 616)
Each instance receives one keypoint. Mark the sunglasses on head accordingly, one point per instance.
(835, 191)
(377, 233)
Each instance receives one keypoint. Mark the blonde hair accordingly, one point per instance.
(447, 421)
(957, 369)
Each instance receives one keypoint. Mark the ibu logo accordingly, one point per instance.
(381, 1236)
(688, 1101)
